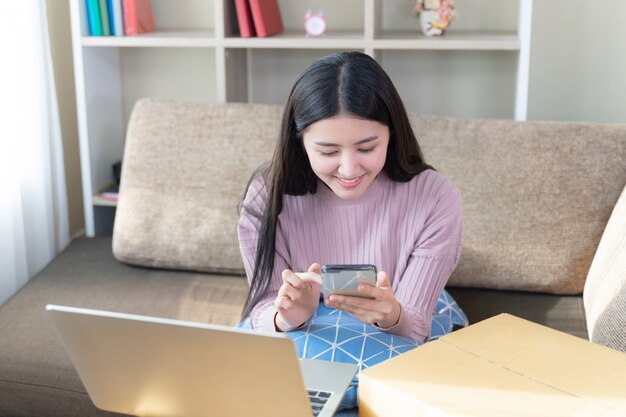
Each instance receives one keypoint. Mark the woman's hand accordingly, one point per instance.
(297, 298)
(383, 310)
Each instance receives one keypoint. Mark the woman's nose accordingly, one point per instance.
(348, 165)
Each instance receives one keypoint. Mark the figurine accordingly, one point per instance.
(435, 15)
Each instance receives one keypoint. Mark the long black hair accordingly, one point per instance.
(349, 83)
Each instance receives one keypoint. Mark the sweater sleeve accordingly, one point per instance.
(262, 314)
(435, 255)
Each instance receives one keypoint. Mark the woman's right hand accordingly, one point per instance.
(298, 297)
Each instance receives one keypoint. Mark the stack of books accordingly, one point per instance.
(119, 17)
(258, 18)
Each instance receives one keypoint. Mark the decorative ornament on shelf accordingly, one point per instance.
(435, 15)
(314, 23)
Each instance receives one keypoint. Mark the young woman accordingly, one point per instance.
(347, 184)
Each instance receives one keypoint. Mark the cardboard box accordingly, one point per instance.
(502, 366)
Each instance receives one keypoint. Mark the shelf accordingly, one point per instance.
(99, 201)
(199, 60)
(411, 40)
(470, 41)
(299, 40)
(191, 39)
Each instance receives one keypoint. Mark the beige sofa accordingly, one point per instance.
(537, 198)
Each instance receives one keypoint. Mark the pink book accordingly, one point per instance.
(138, 17)
(266, 17)
(244, 18)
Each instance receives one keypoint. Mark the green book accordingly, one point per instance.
(104, 18)
(93, 15)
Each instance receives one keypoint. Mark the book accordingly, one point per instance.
(138, 17)
(93, 16)
(109, 195)
(104, 17)
(111, 192)
(244, 18)
(266, 17)
(115, 17)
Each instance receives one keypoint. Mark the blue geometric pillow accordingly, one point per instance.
(447, 315)
(334, 335)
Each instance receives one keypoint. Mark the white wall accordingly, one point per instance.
(578, 61)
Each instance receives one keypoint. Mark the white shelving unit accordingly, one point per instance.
(104, 97)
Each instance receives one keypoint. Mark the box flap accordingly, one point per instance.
(503, 366)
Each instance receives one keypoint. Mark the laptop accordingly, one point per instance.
(154, 367)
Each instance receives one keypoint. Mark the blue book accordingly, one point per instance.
(93, 16)
(115, 17)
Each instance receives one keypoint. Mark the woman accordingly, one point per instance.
(347, 184)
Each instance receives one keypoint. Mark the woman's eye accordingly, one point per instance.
(328, 153)
(367, 150)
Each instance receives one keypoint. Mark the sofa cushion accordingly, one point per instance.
(605, 289)
(536, 196)
(185, 169)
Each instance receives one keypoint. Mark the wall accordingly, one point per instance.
(578, 61)
(578, 66)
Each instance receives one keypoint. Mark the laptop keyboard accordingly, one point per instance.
(318, 399)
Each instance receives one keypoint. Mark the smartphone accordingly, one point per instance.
(344, 279)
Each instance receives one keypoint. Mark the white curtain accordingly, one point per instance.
(33, 201)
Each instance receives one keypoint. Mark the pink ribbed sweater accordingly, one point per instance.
(413, 231)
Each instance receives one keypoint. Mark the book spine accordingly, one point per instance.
(244, 18)
(93, 16)
(145, 17)
(138, 17)
(257, 17)
(104, 18)
(115, 17)
(266, 17)
(129, 12)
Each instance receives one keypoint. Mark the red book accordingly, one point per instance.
(244, 18)
(266, 17)
(138, 17)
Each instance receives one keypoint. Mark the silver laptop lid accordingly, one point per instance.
(152, 367)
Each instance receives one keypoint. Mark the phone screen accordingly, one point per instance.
(344, 279)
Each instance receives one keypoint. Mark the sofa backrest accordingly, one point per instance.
(185, 168)
(536, 195)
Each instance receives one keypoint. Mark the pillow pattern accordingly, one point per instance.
(334, 335)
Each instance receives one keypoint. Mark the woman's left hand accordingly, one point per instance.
(383, 310)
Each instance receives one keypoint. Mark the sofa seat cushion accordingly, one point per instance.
(605, 288)
(36, 375)
(565, 313)
(185, 169)
(536, 196)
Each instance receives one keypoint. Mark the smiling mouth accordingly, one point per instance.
(352, 182)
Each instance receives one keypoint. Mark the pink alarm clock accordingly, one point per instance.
(314, 23)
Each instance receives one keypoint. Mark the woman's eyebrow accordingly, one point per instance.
(362, 141)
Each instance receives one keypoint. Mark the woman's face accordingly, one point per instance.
(346, 153)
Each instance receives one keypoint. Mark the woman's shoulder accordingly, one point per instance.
(255, 193)
(432, 182)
